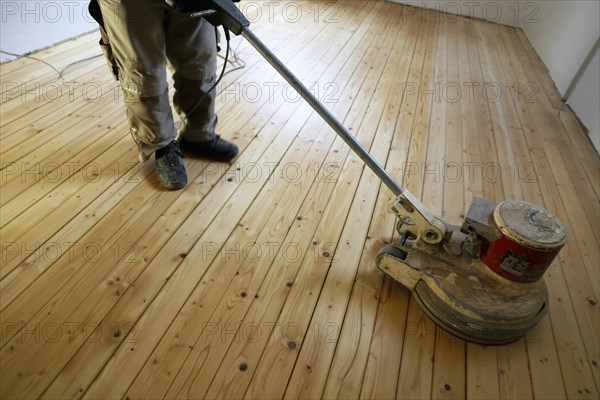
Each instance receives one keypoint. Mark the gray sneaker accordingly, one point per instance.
(169, 167)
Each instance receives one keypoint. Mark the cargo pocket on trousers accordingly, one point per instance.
(110, 59)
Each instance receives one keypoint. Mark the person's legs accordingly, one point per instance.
(142, 33)
(136, 35)
(137, 38)
(192, 53)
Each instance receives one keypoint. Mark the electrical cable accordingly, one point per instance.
(227, 36)
(33, 58)
(64, 70)
(237, 63)
(62, 73)
(236, 59)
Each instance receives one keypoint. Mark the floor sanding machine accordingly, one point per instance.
(481, 281)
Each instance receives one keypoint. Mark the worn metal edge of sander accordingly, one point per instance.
(482, 281)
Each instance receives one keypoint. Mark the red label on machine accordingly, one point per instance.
(531, 239)
(516, 262)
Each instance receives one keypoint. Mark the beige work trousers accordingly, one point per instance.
(144, 36)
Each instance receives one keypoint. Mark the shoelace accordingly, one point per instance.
(170, 152)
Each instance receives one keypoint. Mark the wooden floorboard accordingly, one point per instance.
(258, 280)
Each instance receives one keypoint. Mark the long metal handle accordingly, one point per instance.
(323, 112)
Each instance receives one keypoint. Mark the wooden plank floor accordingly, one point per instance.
(258, 280)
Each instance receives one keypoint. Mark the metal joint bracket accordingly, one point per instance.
(417, 220)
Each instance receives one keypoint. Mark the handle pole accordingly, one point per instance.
(333, 122)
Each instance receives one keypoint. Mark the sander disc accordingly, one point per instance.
(465, 297)
(475, 330)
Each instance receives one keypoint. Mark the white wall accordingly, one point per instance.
(28, 25)
(564, 36)
(585, 99)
